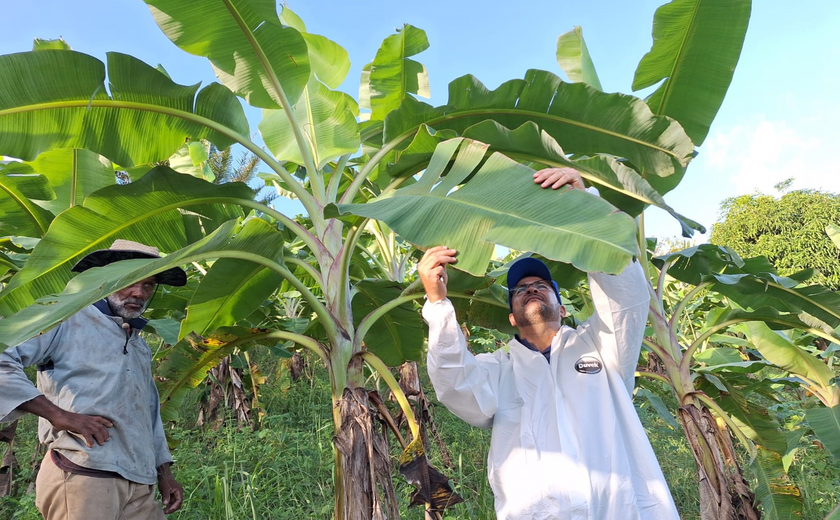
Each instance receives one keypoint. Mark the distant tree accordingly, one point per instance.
(788, 230)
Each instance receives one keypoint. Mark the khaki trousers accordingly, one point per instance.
(63, 496)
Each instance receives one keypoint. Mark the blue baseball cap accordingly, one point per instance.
(525, 267)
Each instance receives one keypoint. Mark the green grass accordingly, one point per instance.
(284, 469)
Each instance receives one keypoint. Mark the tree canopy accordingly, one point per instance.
(788, 230)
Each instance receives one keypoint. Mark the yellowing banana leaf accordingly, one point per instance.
(781, 352)
(187, 363)
(780, 499)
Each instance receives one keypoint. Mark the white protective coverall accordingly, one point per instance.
(567, 442)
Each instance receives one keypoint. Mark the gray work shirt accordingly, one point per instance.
(82, 369)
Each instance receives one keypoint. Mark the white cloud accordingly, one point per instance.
(757, 155)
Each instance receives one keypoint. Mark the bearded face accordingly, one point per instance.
(534, 302)
(129, 303)
(128, 307)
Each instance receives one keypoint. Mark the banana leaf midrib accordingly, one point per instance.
(22, 204)
(282, 100)
(255, 271)
(258, 50)
(139, 218)
(584, 173)
(188, 116)
(667, 87)
(128, 105)
(810, 300)
(374, 131)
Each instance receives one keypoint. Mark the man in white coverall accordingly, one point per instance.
(567, 442)
(99, 407)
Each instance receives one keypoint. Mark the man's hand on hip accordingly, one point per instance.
(92, 427)
(432, 271)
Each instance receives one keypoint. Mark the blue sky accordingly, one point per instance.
(779, 120)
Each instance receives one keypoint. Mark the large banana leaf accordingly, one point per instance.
(251, 52)
(392, 74)
(398, 335)
(233, 239)
(19, 214)
(58, 99)
(580, 118)
(329, 61)
(146, 211)
(756, 291)
(501, 205)
(327, 119)
(754, 420)
(696, 45)
(826, 424)
(752, 283)
(773, 318)
(573, 57)
(620, 185)
(780, 499)
(781, 352)
(187, 363)
(233, 288)
(73, 175)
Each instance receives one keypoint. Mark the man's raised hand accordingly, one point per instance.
(432, 271)
(557, 177)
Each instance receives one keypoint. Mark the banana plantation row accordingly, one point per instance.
(130, 158)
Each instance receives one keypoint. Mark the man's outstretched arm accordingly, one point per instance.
(465, 384)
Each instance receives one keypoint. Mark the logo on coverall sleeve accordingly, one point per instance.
(588, 365)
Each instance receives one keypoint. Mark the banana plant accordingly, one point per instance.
(705, 368)
(459, 174)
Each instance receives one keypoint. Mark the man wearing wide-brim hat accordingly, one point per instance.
(99, 407)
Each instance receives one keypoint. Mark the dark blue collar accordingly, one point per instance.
(105, 308)
(546, 353)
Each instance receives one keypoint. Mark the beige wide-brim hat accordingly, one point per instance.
(128, 250)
